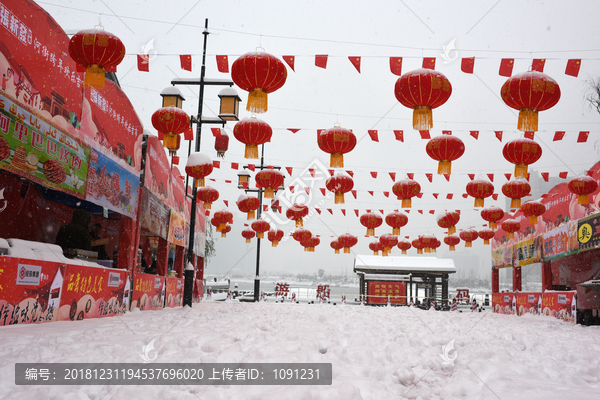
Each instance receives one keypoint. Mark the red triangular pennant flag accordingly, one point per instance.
(465, 195)
(393, 176)
(322, 191)
(558, 135)
(290, 61)
(447, 176)
(399, 135)
(319, 211)
(529, 135)
(467, 65)
(538, 64)
(506, 67)
(545, 176)
(351, 173)
(420, 211)
(343, 211)
(226, 203)
(188, 134)
(381, 211)
(312, 172)
(498, 135)
(356, 212)
(217, 164)
(356, 62)
(289, 170)
(370, 192)
(563, 175)
(429, 62)
(471, 176)
(373, 134)
(431, 211)
(307, 190)
(353, 193)
(330, 211)
(386, 194)
(143, 62)
(429, 177)
(293, 130)
(449, 196)
(491, 176)
(186, 62)
(265, 208)
(420, 195)
(573, 67)
(292, 188)
(425, 135)
(396, 65)
(331, 172)
(410, 175)
(435, 195)
(583, 137)
(321, 61)
(590, 173)
(235, 165)
(495, 196)
(374, 174)
(251, 167)
(223, 64)
(475, 134)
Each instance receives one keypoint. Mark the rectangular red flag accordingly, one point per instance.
(465, 195)
(160, 135)
(429, 62)
(573, 68)
(495, 196)
(251, 167)
(436, 195)
(353, 193)
(374, 174)
(529, 135)
(420, 195)
(356, 62)
(235, 165)
(467, 65)
(393, 176)
(425, 135)
(399, 135)
(373, 134)
(222, 64)
(396, 65)
(216, 132)
(506, 67)
(508, 176)
(446, 132)
(321, 61)
(545, 176)
(471, 176)
(186, 62)
(449, 196)
(143, 62)
(175, 160)
(498, 135)
(583, 137)
(188, 134)
(217, 164)
(538, 64)
(265, 208)
(563, 175)
(290, 61)
(431, 211)
(351, 173)
(558, 135)
(475, 134)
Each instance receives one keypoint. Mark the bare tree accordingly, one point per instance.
(593, 93)
(209, 250)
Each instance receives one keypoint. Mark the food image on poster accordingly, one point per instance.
(54, 172)
(4, 149)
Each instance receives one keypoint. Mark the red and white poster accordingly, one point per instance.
(562, 305)
(502, 303)
(379, 291)
(198, 290)
(148, 291)
(528, 302)
(174, 292)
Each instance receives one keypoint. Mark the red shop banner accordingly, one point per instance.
(562, 305)
(174, 292)
(503, 303)
(528, 302)
(198, 290)
(148, 292)
(29, 290)
(378, 292)
(92, 292)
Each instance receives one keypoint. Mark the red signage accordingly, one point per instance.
(528, 302)
(148, 291)
(174, 292)
(378, 292)
(502, 303)
(157, 170)
(562, 305)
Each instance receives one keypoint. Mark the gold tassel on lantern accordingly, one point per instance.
(94, 77)
(376, 253)
(251, 151)
(452, 230)
(223, 234)
(370, 231)
(433, 250)
(170, 141)
(269, 193)
(486, 241)
(479, 201)
(337, 251)
(404, 252)
(258, 101)
(346, 250)
(336, 160)
(199, 182)
(427, 249)
(468, 244)
(515, 203)
(423, 118)
(207, 205)
(532, 220)
(260, 235)
(583, 199)
(384, 253)
(528, 120)
(248, 240)
(274, 243)
(299, 223)
(520, 170)
(493, 225)
(251, 214)
(419, 251)
(396, 231)
(510, 235)
(406, 202)
(339, 198)
(222, 226)
(444, 167)
(452, 248)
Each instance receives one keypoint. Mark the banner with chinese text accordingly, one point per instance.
(378, 292)
(561, 241)
(177, 229)
(502, 303)
(174, 292)
(562, 305)
(502, 257)
(528, 251)
(588, 232)
(148, 292)
(528, 302)
(155, 214)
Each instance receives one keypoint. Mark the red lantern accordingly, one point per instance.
(445, 149)
(404, 245)
(271, 180)
(346, 241)
(511, 226)
(515, 189)
(252, 132)
(522, 152)
(448, 220)
(422, 90)
(436, 245)
(296, 213)
(583, 186)
(480, 189)
(275, 236)
(405, 189)
(223, 217)
(199, 166)
(248, 204)
(486, 234)
(530, 92)
(171, 121)
(428, 241)
(248, 234)
(336, 246)
(492, 215)
(225, 231)
(371, 221)
(222, 144)
(301, 234)
(258, 74)
(311, 243)
(376, 247)
(396, 220)
(215, 222)
(97, 51)
(533, 210)
(468, 236)
(336, 141)
(261, 226)
(207, 195)
(339, 184)
(388, 241)
(452, 241)
(417, 244)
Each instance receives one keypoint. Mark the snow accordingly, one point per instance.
(376, 352)
(197, 159)
(432, 264)
(41, 251)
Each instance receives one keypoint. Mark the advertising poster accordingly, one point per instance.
(90, 292)
(174, 292)
(528, 251)
(177, 229)
(155, 214)
(528, 302)
(502, 303)
(157, 172)
(148, 292)
(378, 292)
(562, 305)
(32, 148)
(588, 232)
(561, 241)
(198, 290)
(502, 257)
(29, 290)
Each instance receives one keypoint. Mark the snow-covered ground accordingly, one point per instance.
(376, 352)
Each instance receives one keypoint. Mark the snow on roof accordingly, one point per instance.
(172, 91)
(196, 159)
(407, 264)
(386, 277)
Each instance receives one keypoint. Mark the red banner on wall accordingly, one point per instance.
(378, 292)
(562, 305)
(148, 291)
(503, 303)
(174, 292)
(528, 303)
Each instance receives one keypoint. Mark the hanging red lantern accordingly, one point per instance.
(436, 245)
(448, 220)
(388, 241)
(347, 241)
(207, 195)
(376, 247)
(452, 241)
(258, 73)
(486, 234)
(311, 243)
(515, 189)
(418, 244)
(445, 149)
(511, 226)
(248, 234)
(336, 141)
(301, 234)
(530, 92)
(335, 245)
(428, 241)
(583, 186)
(396, 220)
(405, 189)
(171, 121)
(222, 144)
(339, 184)
(296, 213)
(422, 90)
(248, 204)
(480, 189)
(225, 231)
(404, 245)
(96, 51)
(522, 152)
(215, 222)
(468, 236)
(533, 209)
(199, 166)
(275, 236)
(252, 132)
(492, 215)
(261, 226)
(223, 217)
(270, 180)
(371, 221)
